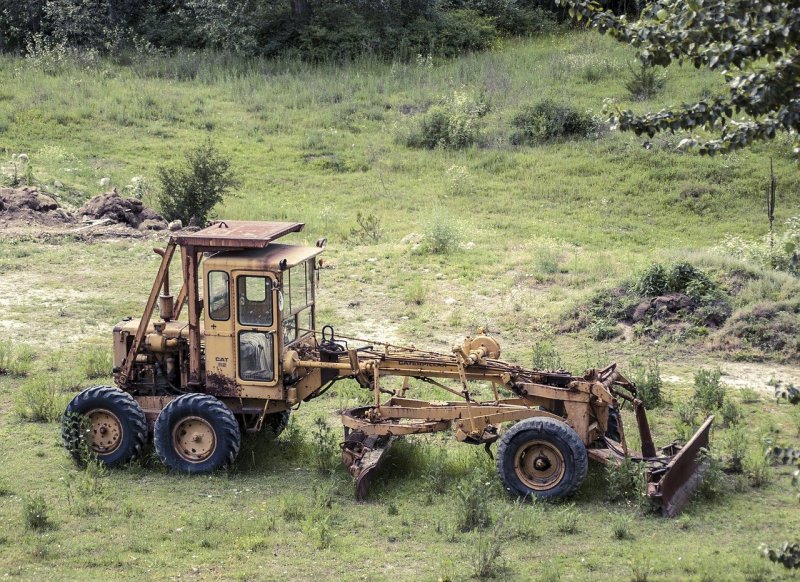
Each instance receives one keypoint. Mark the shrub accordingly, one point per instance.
(452, 123)
(367, 230)
(712, 485)
(416, 292)
(39, 399)
(734, 441)
(626, 481)
(647, 377)
(35, 513)
(190, 193)
(756, 467)
(96, 362)
(603, 329)
(621, 527)
(567, 520)
(546, 356)
(440, 236)
(16, 360)
(548, 120)
(729, 412)
(709, 393)
(645, 82)
(324, 446)
(472, 503)
(487, 560)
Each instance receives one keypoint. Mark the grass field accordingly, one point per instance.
(536, 231)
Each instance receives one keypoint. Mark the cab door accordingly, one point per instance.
(256, 339)
(218, 330)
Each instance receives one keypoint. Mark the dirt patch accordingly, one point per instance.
(26, 210)
(127, 211)
(28, 205)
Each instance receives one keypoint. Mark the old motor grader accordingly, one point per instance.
(249, 351)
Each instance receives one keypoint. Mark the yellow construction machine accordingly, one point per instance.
(249, 350)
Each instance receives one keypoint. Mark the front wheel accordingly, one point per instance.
(196, 433)
(541, 457)
(106, 422)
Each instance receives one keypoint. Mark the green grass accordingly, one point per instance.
(536, 230)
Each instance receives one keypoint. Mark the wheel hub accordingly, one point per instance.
(539, 465)
(106, 431)
(194, 439)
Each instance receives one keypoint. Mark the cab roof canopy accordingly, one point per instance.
(237, 234)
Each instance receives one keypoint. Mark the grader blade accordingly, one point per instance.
(671, 486)
(362, 455)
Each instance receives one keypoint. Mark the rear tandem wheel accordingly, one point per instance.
(196, 433)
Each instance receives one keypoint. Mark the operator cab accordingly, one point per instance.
(259, 302)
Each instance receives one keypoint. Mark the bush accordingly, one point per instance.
(645, 82)
(472, 503)
(548, 120)
(440, 236)
(39, 399)
(647, 377)
(16, 360)
(626, 481)
(678, 278)
(735, 444)
(324, 446)
(190, 193)
(709, 393)
(96, 362)
(452, 123)
(568, 520)
(34, 512)
(756, 467)
(546, 356)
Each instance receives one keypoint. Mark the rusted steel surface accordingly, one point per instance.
(362, 455)
(239, 234)
(221, 385)
(673, 485)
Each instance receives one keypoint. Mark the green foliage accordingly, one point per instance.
(658, 279)
(603, 329)
(788, 555)
(324, 446)
(441, 235)
(568, 520)
(709, 392)
(647, 377)
(626, 481)
(765, 62)
(16, 360)
(191, 192)
(756, 467)
(546, 355)
(39, 399)
(729, 411)
(487, 559)
(712, 485)
(96, 362)
(472, 503)
(35, 513)
(416, 292)
(645, 82)
(621, 527)
(368, 229)
(779, 251)
(735, 444)
(549, 120)
(452, 123)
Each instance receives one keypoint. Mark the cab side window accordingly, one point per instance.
(219, 299)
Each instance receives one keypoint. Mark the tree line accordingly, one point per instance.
(312, 29)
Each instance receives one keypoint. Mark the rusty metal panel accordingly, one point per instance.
(242, 234)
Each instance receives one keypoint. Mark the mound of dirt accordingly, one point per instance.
(28, 204)
(129, 211)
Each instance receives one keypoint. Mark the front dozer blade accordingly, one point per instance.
(362, 454)
(671, 486)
